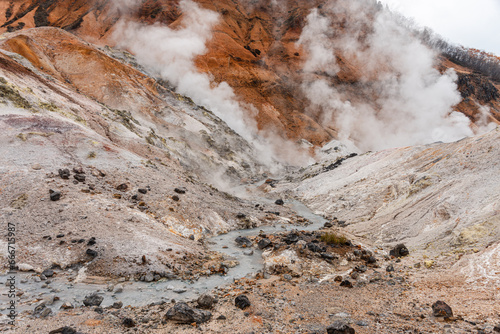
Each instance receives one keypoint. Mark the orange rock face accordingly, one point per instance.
(253, 48)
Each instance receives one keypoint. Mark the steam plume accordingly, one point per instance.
(171, 54)
(413, 102)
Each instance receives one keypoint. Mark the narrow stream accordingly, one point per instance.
(142, 293)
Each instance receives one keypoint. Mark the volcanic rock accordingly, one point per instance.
(184, 314)
(441, 309)
(128, 322)
(340, 327)
(64, 173)
(54, 195)
(205, 301)
(263, 243)
(399, 251)
(64, 330)
(242, 302)
(243, 242)
(93, 300)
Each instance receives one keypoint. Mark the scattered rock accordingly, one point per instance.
(263, 243)
(142, 190)
(36, 167)
(117, 305)
(184, 314)
(328, 224)
(205, 301)
(149, 277)
(399, 251)
(346, 283)
(441, 309)
(390, 268)
(242, 302)
(118, 288)
(243, 242)
(328, 256)
(67, 306)
(128, 322)
(248, 252)
(99, 310)
(291, 238)
(122, 187)
(64, 173)
(179, 290)
(93, 300)
(175, 198)
(287, 277)
(48, 272)
(315, 248)
(79, 177)
(64, 330)
(497, 328)
(54, 195)
(279, 202)
(78, 170)
(180, 190)
(221, 317)
(91, 241)
(241, 215)
(340, 327)
(91, 252)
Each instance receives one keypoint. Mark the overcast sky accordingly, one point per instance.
(473, 24)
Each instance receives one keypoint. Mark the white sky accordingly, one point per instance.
(470, 23)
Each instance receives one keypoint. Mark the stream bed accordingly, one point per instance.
(137, 293)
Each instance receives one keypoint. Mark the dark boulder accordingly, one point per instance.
(180, 190)
(79, 177)
(340, 327)
(346, 283)
(91, 252)
(243, 242)
(122, 187)
(64, 173)
(263, 243)
(64, 330)
(242, 302)
(279, 202)
(54, 195)
(441, 309)
(128, 322)
(93, 300)
(399, 251)
(205, 301)
(315, 248)
(291, 238)
(184, 314)
(48, 272)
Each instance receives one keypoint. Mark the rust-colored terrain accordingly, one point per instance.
(253, 49)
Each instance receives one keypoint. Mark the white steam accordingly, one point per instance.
(412, 100)
(171, 54)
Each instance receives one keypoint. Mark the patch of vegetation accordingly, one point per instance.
(127, 120)
(333, 239)
(49, 106)
(420, 185)
(9, 93)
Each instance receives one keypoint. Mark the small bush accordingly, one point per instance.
(333, 239)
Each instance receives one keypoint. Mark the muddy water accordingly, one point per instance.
(142, 293)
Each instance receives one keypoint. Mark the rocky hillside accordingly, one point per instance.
(154, 152)
(256, 47)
